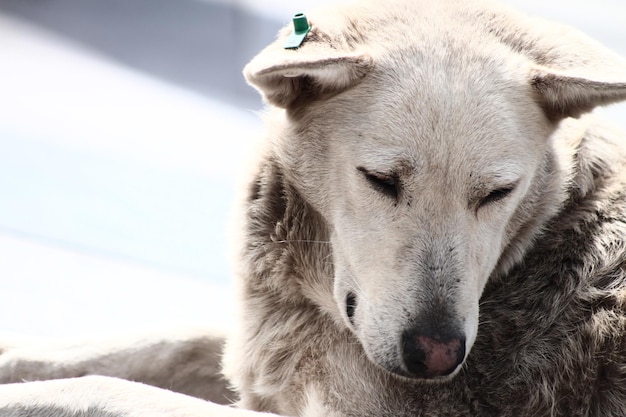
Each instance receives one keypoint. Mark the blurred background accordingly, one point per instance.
(122, 129)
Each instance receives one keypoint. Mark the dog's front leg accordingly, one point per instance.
(187, 362)
(97, 396)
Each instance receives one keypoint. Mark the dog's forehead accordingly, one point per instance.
(436, 91)
(434, 103)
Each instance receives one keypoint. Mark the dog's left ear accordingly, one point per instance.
(564, 94)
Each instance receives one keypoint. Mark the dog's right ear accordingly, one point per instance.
(286, 77)
(567, 94)
(571, 73)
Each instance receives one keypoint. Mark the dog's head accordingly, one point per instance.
(422, 133)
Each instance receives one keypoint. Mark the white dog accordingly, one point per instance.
(434, 227)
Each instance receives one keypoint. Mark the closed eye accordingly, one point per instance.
(496, 195)
(387, 184)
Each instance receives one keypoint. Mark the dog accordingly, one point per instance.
(435, 226)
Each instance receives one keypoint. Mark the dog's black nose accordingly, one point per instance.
(429, 356)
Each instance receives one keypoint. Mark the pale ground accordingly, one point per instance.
(127, 229)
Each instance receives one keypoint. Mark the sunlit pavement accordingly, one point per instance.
(117, 171)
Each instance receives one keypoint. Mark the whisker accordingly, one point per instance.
(302, 241)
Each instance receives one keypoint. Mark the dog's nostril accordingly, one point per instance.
(350, 306)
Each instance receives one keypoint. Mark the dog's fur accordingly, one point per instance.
(430, 183)
(426, 156)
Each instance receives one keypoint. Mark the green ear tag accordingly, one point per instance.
(300, 29)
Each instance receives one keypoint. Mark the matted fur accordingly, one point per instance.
(428, 169)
